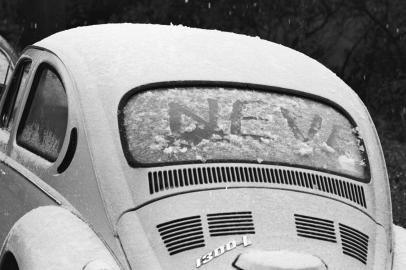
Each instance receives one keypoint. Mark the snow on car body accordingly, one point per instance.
(185, 148)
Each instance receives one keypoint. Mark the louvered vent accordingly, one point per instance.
(355, 243)
(316, 228)
(162, 180)
(230, 223)
(182, 234)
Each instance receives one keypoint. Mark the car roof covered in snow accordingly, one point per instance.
(111, 59)
(106, 61)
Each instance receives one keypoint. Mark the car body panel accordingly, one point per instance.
(8, 49)
(274, 229)
(40, 179)
(18, 196)
(70, 241)
(78, 183)
(170, 50)
(117, 201)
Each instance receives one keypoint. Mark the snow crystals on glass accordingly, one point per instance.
(207, 124)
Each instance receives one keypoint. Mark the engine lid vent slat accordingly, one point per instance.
(315, 228)
(230, 223)
(163, 180)
(182, 234)
(354, 243)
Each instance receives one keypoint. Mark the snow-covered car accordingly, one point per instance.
(165, 147)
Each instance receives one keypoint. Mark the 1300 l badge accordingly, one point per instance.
(221, 250)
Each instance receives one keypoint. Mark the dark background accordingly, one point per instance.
(362, 41)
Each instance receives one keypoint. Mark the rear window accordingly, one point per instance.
(206, 124)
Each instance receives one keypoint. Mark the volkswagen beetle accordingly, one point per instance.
(163, 147)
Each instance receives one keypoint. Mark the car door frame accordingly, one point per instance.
(81, 182)
(30, 191)
(81, 187)
(10, 159)
(9, 51)
(5, 136)
(13, 146)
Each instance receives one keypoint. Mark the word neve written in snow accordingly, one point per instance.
(210, 127)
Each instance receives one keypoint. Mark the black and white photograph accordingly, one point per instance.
(203, 134)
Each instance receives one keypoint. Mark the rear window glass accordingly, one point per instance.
(222, 124)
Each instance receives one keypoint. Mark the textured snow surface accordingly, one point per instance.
(203, 123)
(53, 238)
(109, 60)
(120, 57)
(399, 261)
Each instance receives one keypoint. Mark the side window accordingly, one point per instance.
(45, 117)
(17, 84)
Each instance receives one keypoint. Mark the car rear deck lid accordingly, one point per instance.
(278, 260)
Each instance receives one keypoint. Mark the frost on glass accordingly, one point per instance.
(44, 140)
(44, 128)
(188, 124)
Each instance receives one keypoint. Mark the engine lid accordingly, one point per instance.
(278, 260)
(210, 229)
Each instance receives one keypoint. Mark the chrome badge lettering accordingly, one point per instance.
(221, 250)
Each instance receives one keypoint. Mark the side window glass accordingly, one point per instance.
(43, 125)
(17, 84)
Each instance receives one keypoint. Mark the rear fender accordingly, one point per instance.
(51, 237)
